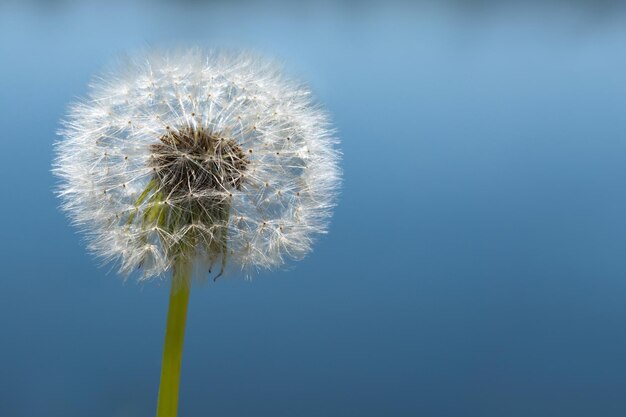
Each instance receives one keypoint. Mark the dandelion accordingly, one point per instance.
(194, 164)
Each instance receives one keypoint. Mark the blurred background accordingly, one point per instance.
(475, 264)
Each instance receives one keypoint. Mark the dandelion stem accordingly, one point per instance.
(174, 335)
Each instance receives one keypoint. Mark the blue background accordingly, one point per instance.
(475, 265)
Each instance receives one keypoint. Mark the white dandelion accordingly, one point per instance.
(215, 158)
(200, 164)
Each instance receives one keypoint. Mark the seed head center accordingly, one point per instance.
(196, 162)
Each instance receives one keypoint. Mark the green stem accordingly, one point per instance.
(167, 405)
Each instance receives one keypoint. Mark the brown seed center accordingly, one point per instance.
(191, 161)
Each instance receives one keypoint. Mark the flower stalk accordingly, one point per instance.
(167, 405)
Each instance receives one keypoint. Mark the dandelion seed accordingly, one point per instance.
(190, 162)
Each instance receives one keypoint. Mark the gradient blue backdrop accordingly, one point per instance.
(475, 265)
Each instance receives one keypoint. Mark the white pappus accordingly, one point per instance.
(211, 158)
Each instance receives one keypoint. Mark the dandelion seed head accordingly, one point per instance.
(214, 157)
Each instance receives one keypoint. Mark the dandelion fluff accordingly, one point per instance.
(213, 158)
